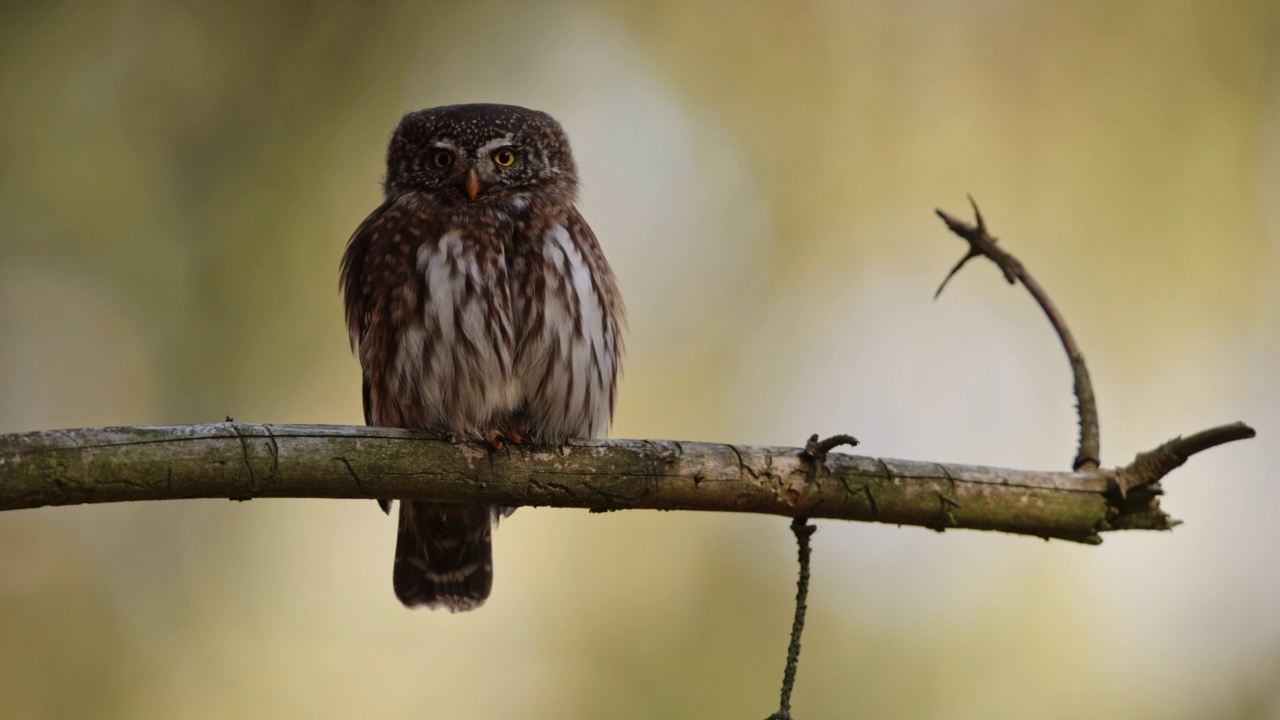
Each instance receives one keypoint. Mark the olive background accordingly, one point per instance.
(178, 181)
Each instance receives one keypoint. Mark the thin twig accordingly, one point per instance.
(803, 531)
(815, 450)
(983, 244)
(815, 454)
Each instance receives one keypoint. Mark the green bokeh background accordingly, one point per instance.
(178, 180)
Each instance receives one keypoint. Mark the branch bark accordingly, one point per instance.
(243, 461)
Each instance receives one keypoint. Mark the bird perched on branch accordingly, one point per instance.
(481, 306)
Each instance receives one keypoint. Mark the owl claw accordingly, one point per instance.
(494, 437)
(503, 438)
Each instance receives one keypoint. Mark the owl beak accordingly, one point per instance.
(473, 184)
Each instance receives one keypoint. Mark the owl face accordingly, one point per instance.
(480, 155)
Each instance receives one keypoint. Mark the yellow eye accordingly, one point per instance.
(443, 158)
(505, 158)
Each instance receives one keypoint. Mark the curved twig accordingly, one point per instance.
(981, 243)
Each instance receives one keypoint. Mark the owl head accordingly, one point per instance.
(480, 155)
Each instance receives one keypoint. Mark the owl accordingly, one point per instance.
(481, 307)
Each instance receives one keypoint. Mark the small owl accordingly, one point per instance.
(481, 307)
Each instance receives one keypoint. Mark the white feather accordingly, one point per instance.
(460, 384)
(574, 399)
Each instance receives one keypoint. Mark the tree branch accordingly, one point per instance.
(243, 461)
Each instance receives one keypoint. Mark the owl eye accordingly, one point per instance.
(505, 158)
(442, 159)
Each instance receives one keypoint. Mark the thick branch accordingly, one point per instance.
(240, 461)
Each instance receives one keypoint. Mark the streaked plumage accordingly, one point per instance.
(480, 306)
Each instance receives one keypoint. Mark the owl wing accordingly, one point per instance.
(381, 290)
(352, 281)
(359, 294)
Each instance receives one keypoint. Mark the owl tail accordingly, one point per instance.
(444, 558)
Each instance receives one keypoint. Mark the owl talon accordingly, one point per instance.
(503, 438)
(495, 439)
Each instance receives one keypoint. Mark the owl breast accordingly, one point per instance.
(566, 360)
(454, 343)
(469, 302)
(507, 325)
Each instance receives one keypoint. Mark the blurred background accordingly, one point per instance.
(178, 181)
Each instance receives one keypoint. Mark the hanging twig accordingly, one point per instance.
(803, 531)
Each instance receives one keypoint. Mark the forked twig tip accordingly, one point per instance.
(968, 256)
(977, 214)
